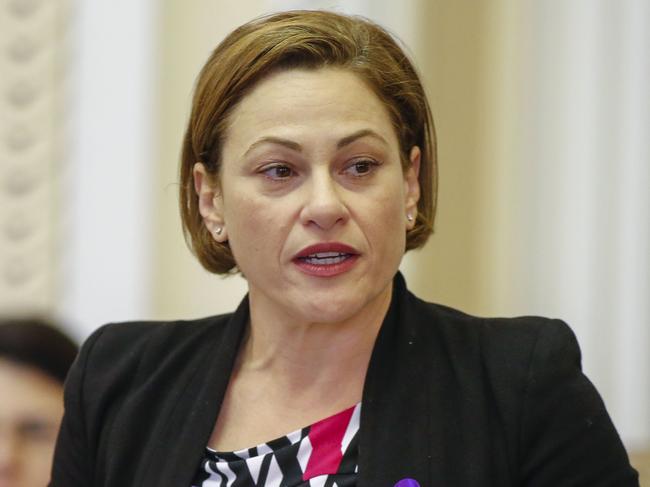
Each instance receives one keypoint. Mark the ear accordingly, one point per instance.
(412, 187)
(210, 202)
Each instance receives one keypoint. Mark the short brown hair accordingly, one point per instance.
(307, 40)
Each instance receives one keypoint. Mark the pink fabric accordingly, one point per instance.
(326, 437)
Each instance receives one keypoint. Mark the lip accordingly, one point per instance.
(328, 267)
(326, 247)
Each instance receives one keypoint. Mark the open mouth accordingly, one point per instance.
(325, 258)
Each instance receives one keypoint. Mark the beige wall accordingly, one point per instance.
(468, 54)
(450, 54)
(190, 30)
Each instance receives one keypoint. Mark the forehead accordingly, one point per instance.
(26, 390)
(326, 102)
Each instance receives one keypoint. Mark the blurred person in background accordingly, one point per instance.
(34, 361)
(309, 166)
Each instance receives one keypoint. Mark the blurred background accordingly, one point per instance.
(542, 111)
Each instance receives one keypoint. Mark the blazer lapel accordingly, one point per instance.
(396, 410)
(179, 449)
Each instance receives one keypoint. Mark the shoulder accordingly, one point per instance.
(121, 360)
(528, 370)
(120, 357)
(500, 341)
(513, 358)
(126, 379)
(525, 374)
(127, 341)
(121, 349)
(137, 334)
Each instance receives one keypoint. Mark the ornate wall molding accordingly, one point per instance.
(32, 67)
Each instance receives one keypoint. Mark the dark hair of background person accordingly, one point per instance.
(302, 40)
(37, 343)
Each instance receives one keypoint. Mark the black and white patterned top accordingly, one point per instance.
(323, 454)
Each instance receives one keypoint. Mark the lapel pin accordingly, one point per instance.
(407, 483)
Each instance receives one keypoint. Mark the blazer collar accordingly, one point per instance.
(395, 420)
(178, 451)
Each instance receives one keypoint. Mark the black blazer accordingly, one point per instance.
(449, 400)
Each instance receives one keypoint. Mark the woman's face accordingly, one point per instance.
(30, 414)
(313, 199)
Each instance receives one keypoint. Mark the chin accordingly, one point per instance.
(331, 316)
(333, 309)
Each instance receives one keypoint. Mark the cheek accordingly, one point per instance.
(243, 220)
(383, 218)
(255, 227)
(391, 203)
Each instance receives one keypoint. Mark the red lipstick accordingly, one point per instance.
(326, 259)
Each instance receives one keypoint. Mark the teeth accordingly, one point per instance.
(324, 255)
(327, 261)
(326, 258)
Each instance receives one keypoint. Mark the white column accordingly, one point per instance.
(107, 235)
(582, 234)
(631, 294)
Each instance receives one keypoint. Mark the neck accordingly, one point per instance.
(303, 354)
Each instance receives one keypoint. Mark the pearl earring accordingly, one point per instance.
(218, 231)
(409, 217)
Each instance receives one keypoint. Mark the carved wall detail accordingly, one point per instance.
(32, 68)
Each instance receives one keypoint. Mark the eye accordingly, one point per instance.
(278, 172)
(36, 429)
(361, 167)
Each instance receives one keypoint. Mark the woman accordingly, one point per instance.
(34, 360)
(309, 166)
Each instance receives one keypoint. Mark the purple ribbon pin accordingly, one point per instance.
(407, 483)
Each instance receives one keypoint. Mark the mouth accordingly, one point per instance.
(326, 259)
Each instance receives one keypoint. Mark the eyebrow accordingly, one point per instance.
(358, 135)
(275, 140)
(290, 144)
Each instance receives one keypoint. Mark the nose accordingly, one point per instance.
(323, 204)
